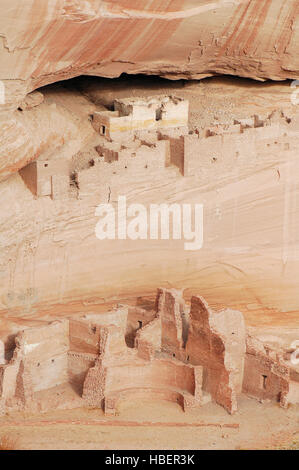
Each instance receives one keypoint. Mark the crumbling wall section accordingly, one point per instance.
(29, 175)
(117, 316)
(2, 353)
(84, 337)
(135, 114)
(162, 373)
(293, 395)
(217, 342)
(79, 364)
(171, 307)
(128, 161)
(94, 385)
(138, 318)
(47, 178)
(176, 148)
(148, 340)
(231, 145)
(174, 113)
(112, 348)
(44, 354)
(39, 362)
(8, 379)
(266, 375)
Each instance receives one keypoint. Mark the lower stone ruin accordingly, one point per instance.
(187, 354)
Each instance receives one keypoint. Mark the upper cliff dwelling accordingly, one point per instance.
(170, 104)
(126, 138)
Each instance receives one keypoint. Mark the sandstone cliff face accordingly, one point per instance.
(249, 262)
(42, 42)
(49, 127)
(249, 259)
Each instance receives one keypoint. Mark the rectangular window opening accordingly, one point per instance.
(264, 381)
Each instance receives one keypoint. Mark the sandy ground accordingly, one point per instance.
(157, 425)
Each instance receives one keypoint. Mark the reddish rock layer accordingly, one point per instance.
(43, 42)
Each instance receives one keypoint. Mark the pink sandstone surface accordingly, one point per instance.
(189, 358)
(248, 260)
(46, 42)
(52, 267)
(50, 41)
(87, 364)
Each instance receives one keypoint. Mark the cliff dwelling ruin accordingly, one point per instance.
(187, 354)
(148, 110)
(178, 351)
(143, 136)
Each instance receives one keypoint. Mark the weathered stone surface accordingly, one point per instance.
(171, 309)
(248, 261)
(266, 375)
(50, 41)
(177, 39)
(2, 353)
(86, 361)
(216, 341)
(43, 127)
(31, 101)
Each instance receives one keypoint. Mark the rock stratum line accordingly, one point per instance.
(167, 15)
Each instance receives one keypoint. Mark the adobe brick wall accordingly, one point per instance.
(47, 178)
(94, 385)
(232, 145)
(39, 362)
(165, 378)
(265, 374)
(128, 161)
(217, 342)
(293, 395)
(177, 356)
(138, 318)
(79, 364)
(44, 354)
(155, 374)
(104, 386)
(148, 340)
(29, 175)
(177, 152)
(2, 407)
(118, 316)
(60, 186)
(8, 379)
(135, 114)
(119, 369)
(84, 337)
(171, 306)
